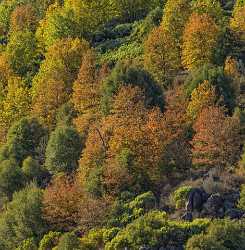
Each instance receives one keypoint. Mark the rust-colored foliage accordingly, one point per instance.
(66, 206)
(200, 39)
(177, 155)
(216, 141)
(51, 95)
(129, 142)
(86, 92)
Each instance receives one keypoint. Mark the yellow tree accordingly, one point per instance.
(57, 74)
(200, 40)
(14, 105)
(162, 56)
(237, 22)
(163, 46)
(201, 97)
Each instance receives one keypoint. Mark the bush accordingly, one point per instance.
(220, 235)
(125, 211)
(28, 244)
(153, 230)
(241, 203)
(69, 241)
(180, 196)
(49, 241)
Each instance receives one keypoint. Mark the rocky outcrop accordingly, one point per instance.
(200, 204)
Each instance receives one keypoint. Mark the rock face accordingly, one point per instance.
(214, 206)
(200, 204)
(196, 199)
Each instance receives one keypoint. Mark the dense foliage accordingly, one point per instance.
(122, 124)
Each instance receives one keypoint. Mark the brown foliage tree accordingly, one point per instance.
(86, 92)
(67, 206)
(216, 142)
(23, 17)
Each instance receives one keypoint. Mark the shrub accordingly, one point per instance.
(180, 196)
(220, 235)
(49, 240)
(69, 241)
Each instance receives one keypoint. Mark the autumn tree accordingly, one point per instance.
(201, 97)
(129, 73)
(24, 17)
(200, 40)
(86, 92)
(176, 129)
(66, 206)
(126, 145)
(237, 22)
(51, 95)
(163, 46)
(216, 141)
(57, 73)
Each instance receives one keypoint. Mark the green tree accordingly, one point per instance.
(32, 169)
(23, 139)
(11, 178)
(58, 23)
(15, 103)
(133, 10)
(63, 150)
(22, 218)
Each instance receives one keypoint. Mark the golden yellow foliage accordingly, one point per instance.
(199, 41)
(201, 97)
